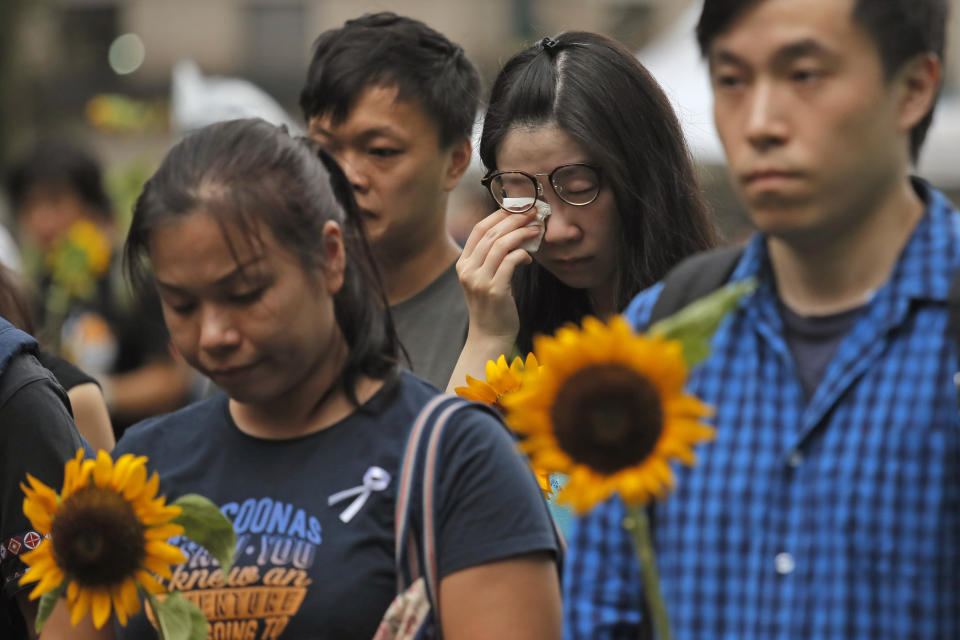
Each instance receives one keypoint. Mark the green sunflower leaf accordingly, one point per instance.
(178, 618)
(207, 526)
(695, 324)
(47, 602)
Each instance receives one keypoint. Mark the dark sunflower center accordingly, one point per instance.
(607, 417)
(97, 537)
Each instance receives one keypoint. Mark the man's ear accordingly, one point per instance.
(919, 83)
(458, 159)
(334, 257)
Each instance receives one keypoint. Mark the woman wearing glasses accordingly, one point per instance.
(579, 136)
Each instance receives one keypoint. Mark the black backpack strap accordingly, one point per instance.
(694, 278)
(953, 319)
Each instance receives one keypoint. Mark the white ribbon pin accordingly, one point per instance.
(375, 479)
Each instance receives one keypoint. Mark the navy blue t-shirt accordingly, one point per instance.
(309, 569)
(813, 340)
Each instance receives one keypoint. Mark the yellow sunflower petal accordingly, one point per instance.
(125, 600)
(121, 471)
(150, 489)
(513, 375)
(477, 391)
(42, 494)
(163, 532)
(103, 471)
(150, 583)
(539, 444)
(128, 596)
(157, 566)
(543, 479)
(79, 606)
(494, 373)
(679, 451)
(164, 552)
(135, 482)
(39, 517)
(40, 557)
(121, 611)
(554, 460)
(70, 472)
(85, 475)
(49, 580)
(528, 424)
(662, 471)
(100, 606)
(531, 363)
(158, 514)
(689, 405)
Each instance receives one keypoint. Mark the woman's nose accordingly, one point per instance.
(562, 224)
(217, 330)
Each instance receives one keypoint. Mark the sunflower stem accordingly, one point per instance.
(638, 524)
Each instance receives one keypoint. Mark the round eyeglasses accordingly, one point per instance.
(517, 191)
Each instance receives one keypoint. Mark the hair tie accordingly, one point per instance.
(549, 44)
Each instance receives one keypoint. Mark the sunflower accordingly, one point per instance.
(501, 380)
(105, 535)
(608, 408)
(78, 259)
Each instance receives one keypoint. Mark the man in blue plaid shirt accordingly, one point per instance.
(829, 504)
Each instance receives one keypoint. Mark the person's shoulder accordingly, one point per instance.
(406, 389)
(411, 393)
(939, 202)
(65, 372)
(26, 366)
(36, 409)
(21, 372)
(444, 290)
(639, 310)
(181, 425)
(477, 429)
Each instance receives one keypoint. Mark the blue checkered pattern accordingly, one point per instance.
(837, 518)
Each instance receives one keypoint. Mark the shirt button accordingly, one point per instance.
(795, 459)
(784, 563)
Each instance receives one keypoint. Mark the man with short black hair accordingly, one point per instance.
(395, 103)
(829, 504)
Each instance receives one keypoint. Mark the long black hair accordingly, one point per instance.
(246, 173)
(596, 91)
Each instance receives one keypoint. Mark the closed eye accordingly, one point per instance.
(248, 297)
(804, 76)
(384, 152)
(727, 81)
(182, 309)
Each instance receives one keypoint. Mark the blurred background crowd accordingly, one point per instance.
(100, 89)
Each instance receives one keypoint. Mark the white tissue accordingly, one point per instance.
(540, 221)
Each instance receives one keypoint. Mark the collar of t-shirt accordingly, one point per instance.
(813, 340)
